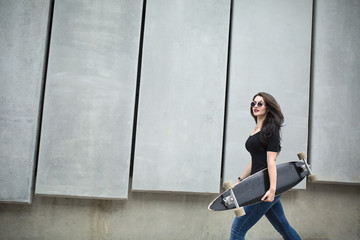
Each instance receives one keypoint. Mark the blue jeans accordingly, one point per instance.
(274, 213)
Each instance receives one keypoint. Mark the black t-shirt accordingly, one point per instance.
(258, 151)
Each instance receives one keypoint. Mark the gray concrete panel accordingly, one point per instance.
(23, 32)
(270, 52)
(89, 100)
(335, 127)
(182, 96)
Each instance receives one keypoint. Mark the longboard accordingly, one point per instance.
(252, 189)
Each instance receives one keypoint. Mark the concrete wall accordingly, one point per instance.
(183, 82)
(23, 38)
(322, 211)
(87, 125)
(270, 52)
(335, 125)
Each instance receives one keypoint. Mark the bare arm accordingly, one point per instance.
(246, 173)
(271, 164)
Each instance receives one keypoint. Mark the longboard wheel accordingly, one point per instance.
(302, 156)
(312, 178)
(228, 185)
(239, 212)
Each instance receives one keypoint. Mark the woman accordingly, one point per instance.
(264, 145)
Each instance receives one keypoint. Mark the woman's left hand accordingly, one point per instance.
(269, 196)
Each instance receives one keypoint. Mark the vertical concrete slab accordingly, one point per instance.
(89, 100)
(270, 52)
(335, 127)
(23, 33)
(182, 96)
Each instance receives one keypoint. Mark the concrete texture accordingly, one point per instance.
(182, 96)
(78, 107)
(270, 52)
(335, 117)
(322, 212)
(23, 33)
(89, 100)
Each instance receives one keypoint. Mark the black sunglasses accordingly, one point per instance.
(259, 104)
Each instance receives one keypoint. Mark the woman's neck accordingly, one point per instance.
(259, 122)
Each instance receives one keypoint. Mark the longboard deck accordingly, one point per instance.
(253, 188)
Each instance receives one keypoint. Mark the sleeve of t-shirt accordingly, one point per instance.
(274, 143)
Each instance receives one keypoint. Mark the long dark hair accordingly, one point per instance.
(274, 118)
